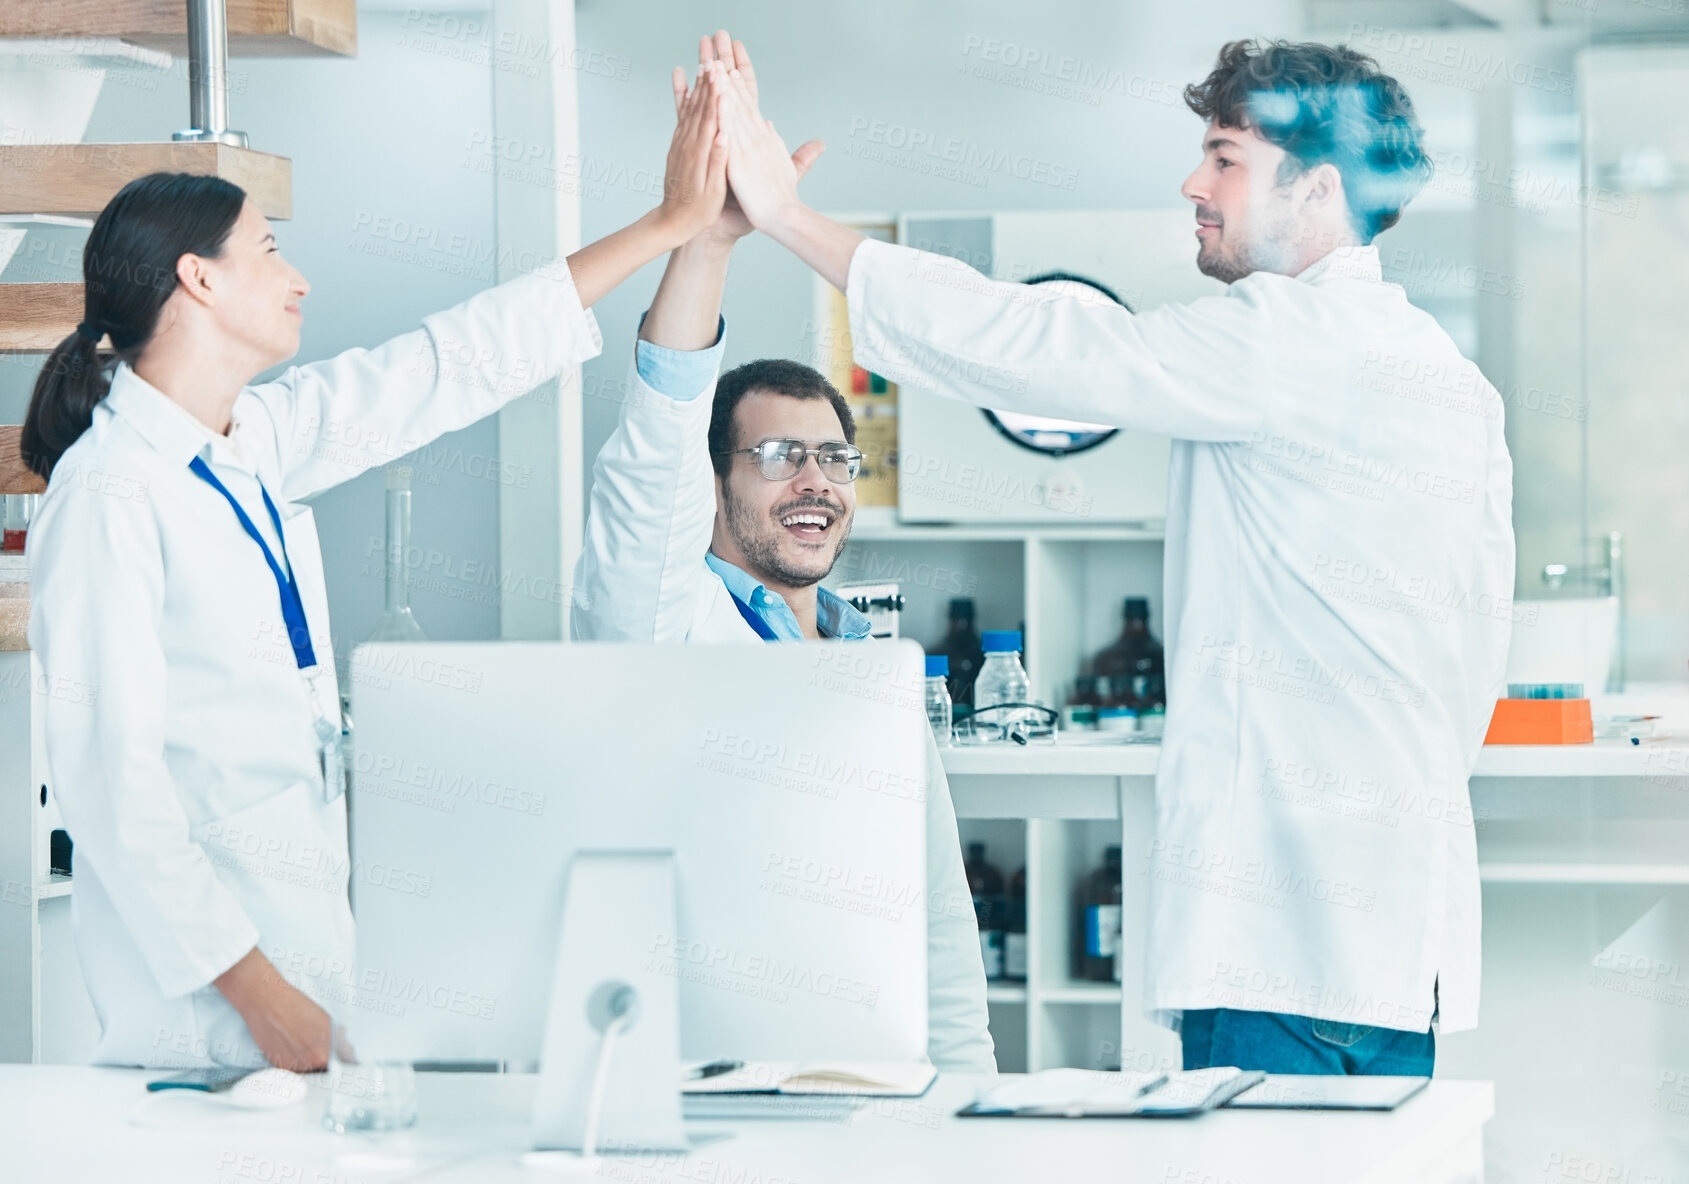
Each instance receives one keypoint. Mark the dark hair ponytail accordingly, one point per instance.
(128, 272)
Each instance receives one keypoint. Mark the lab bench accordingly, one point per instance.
(73, 1123)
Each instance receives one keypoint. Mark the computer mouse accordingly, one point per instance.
(267, 1089)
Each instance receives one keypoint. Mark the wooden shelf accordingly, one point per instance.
(1005, 992)
(15, 476)
(257, 28)
(34, 318)
(77, 180)
(48, 887)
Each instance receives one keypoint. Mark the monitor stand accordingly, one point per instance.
(610, 1064)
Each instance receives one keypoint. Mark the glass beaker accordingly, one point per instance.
(367, 1095)
(397, 622)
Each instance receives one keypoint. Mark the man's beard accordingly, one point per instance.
(762, 551)
(1268, 247)
(1228, 269)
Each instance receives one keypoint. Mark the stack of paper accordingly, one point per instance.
(1082, 1093)
(863, 1079)
(1069, 1091)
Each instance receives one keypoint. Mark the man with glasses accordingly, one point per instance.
(668, 558)
(782, 520)
(777, 448)
(717, 509)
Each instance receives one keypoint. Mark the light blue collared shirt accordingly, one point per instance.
(833, 617)
(680, 374)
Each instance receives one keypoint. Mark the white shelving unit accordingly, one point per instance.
(1065, 586)
(1066, 589)
(880, 523)
(1055, 1019)
(45, 1015)
(1051, 1019)
(1063, 583)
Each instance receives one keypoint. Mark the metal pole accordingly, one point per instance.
(208, 75)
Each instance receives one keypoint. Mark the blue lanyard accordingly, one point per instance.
(755, 622)
(292, 605)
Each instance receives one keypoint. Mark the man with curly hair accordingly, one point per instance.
(1339, 555)
(1308, 149)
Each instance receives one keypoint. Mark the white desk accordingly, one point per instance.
(72, 1124)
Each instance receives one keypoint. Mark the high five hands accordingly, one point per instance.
(695, 177)
(746, 176)
(727, 173)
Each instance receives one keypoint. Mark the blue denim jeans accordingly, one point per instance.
(1296, 1044)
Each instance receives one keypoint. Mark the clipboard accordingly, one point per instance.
(1079, 1093)
(1281, 1091)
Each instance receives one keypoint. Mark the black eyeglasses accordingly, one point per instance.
(781, 460)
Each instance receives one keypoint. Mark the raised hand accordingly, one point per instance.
(733, 56)
(763, 175)
(695, 179)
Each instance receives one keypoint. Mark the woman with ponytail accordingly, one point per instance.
(192, 719)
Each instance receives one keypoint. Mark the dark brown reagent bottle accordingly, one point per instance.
(1097, 940)
(1134, 665)
(963, 646)
(985, 885)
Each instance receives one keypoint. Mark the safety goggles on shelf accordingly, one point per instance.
(1022, 723)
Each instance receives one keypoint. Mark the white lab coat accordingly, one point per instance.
(179, 732)
(1339, 582)
(642, 577)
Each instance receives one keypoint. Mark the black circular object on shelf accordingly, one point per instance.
(1056, 437)
(1051, 437)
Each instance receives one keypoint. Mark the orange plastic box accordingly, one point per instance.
(1541, 721)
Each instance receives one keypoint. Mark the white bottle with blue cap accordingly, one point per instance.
(938, 696)
(1002, 679)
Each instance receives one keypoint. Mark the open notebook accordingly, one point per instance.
(1084, 1093)
(862, 1079)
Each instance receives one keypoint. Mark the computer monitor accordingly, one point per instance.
(789, 782)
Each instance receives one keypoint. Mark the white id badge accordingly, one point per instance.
(332, 754)
(331, 747)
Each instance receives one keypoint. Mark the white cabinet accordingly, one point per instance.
(17, 864)
(1065, 587)
(1055, 1019)
(45, 1015)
